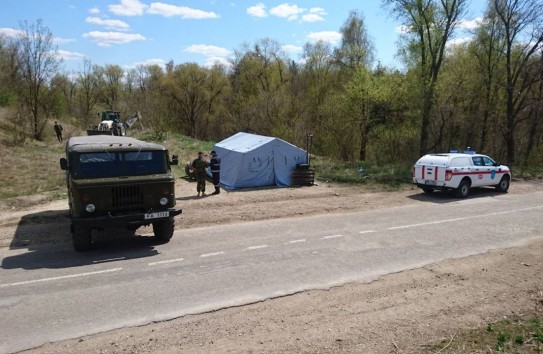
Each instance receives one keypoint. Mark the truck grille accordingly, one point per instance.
(126, 197)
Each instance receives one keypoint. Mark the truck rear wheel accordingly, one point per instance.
(463, 189)
(163, 230)
(81, 237)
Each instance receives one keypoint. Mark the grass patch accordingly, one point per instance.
(511, 335)
(365, 172)
(31, 169)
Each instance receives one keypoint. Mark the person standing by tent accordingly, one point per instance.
(215, 167)
(58, 131)
(200, 165)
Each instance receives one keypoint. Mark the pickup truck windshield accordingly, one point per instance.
(113, 164)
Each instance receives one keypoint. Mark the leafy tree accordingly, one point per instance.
(37, 63)
(523, 36)
(429, 25)
(488, 47)
(186, 86)
(110, 82)
(259, 81)
(356, 48)
(88, 91)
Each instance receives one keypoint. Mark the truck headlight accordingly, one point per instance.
(90, 208)
(163, 201)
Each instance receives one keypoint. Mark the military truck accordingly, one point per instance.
(111, 124)
(116, 181)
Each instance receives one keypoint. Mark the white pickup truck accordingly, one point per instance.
(459, 171)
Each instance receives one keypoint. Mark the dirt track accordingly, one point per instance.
(398, 313)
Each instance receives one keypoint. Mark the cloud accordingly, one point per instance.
(61, 41)
(212, 53)
(402, 29)
(331, 37)
(166, 10)
(288, 11)
(292, 48)
(312, 18)
(212, 61)
(259, 10)
(459, 41)
(470, 24)
(10, 32)
(66, 55)
(94, 11)
(291, 12)
(148, 62)
(208, 50)
(128, 8)
(106, 39)
(115, 24)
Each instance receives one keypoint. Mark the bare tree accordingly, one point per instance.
(37, 63)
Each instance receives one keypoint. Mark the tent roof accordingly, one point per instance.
(243, 142)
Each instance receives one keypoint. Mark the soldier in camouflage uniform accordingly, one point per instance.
(200, 165)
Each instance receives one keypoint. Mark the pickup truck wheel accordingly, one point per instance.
(463, 189)
(427, 190)
(81, 237)
(503, 186)
(163, 230)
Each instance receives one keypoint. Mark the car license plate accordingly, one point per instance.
(430, 182)
(161, 214)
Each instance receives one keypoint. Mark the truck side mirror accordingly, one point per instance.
(63, 164)
(175, 160)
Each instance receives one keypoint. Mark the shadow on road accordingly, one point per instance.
(46, 237)
(51, 257)
(443, 197)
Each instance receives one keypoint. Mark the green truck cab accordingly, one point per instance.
(116, 181)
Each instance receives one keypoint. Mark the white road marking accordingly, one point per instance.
(366, 232)
(464, 218)
(254, 248)
(62, 277)
(211, 254)
(295, 241)
(331, 236)
(163, 262)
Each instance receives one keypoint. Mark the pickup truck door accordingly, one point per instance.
(490, 172)
(478, 171)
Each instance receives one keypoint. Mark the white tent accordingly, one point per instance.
(249, 160)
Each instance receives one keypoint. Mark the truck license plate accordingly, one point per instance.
(430, 182)
(161, 214)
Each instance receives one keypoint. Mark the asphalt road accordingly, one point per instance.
(52, 293)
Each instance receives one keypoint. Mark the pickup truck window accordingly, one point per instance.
(478, 161)
(488, 161)
(459, 162)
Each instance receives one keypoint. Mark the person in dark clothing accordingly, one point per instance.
(200, 165)
(58, 131)
(215, 167)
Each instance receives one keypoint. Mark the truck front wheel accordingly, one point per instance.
(163, 230)
(81, 237)
(503, 186)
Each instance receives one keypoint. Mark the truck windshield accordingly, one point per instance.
(112, 164)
